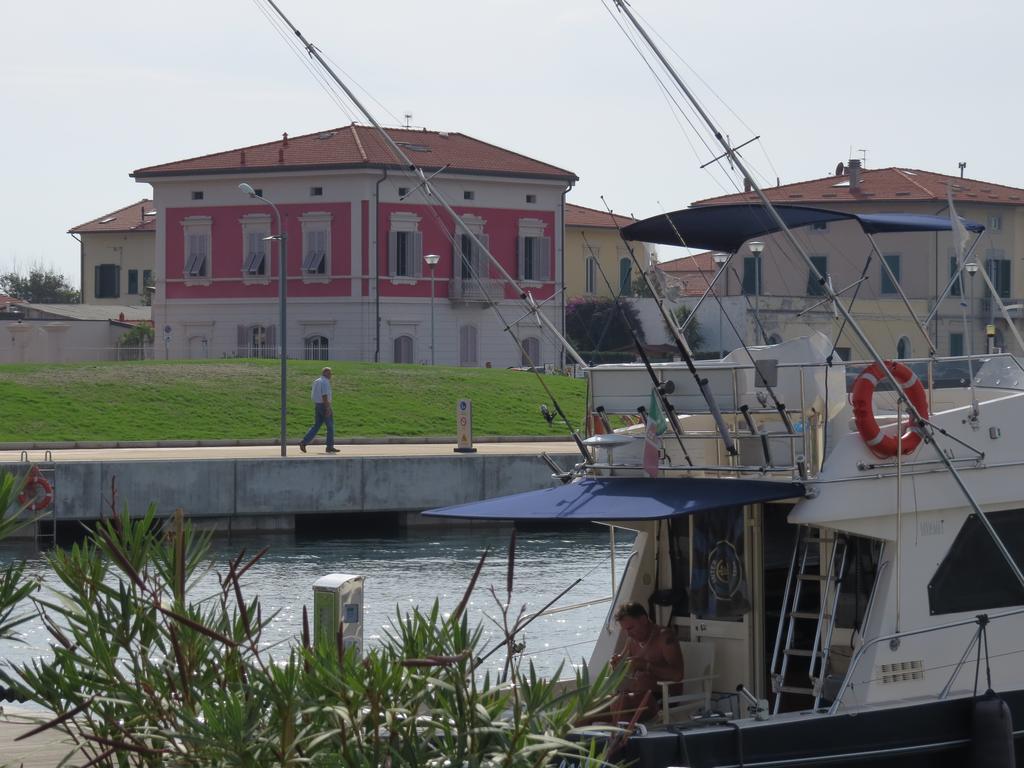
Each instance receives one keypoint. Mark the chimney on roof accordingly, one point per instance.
(854, 172)
(243, 157)
(280, 155)
(284, 138)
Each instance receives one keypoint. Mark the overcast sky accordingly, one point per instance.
(92, 91)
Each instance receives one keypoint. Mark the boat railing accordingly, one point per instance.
(982, 620)
(788, 439)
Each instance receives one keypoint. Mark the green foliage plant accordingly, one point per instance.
(41, 285)
(143, 674)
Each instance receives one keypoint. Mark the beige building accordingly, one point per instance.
(773, 295)
(118, 254)
(593, 245)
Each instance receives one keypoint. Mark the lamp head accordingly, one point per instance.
(719, 258)
(971, 267)
(247, 188)
(431, 259)
(756, 247)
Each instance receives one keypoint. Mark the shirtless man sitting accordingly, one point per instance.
(652, 654)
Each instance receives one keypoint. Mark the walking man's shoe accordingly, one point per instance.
(332, 450)
(302, 447)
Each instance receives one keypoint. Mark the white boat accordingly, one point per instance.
(855, 608)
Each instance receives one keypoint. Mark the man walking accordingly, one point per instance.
(322, 413)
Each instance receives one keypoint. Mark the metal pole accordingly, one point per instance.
(432, 314)
(283, 332)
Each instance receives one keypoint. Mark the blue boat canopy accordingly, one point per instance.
(727, 227)
(625, 498)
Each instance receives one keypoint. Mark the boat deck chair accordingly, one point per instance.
(694, 690)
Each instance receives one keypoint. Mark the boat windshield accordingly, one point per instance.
(993, 372)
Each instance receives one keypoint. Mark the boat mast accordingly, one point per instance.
(916, 417)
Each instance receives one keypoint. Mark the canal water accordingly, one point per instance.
(406, 571)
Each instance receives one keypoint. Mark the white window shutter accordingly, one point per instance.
(417, 254)
(392, 253)
(481, 259)
(542, 259)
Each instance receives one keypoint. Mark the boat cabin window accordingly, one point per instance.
(973, 576)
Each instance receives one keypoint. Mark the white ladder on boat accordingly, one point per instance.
(799, 609)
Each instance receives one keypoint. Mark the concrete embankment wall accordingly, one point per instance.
(267, 494)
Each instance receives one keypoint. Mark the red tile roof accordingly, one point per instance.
(685, 273)
(360, 146)
(883, 184)
(578, 216)
(137, 217)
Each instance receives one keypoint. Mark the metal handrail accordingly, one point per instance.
(979, 619)
(618, 590)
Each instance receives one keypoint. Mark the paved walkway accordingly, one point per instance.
(274, 452)
(43, 750)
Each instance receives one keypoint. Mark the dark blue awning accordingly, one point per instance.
(727, 227)
(625, 498)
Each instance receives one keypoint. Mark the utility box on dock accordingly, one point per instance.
(338, 603)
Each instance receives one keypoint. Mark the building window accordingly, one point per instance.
(956, 344)
(903, 348)
(751, 275)
(133, 282)
(147, 280)
(471, 257)
(955, 289)
(995, 223)
(403, 191)
(316, 245)
(590, 256)
(625, 277)
(888, 286)
(255, 245)
(316, 191)
(403, 349)
(997, 267)
(819, 226)
(316, 348)
(814, 288)
(107, 281)
(257, 341)
(469, 195)
(531, 352)
(405, 246)
(467, 345)
(531, 198)
(843, 352)
(533, 251)
(197, 246)
(197, 195)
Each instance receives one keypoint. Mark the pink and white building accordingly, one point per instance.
(358, 228)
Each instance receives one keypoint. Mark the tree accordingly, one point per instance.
(693, 334)
(598, 325)
(42, 285)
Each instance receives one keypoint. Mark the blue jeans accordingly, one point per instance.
(320, 417)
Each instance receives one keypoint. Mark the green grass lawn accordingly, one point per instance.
(239, 399)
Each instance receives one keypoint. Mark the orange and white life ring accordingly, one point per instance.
(882, 445)
(37, 494)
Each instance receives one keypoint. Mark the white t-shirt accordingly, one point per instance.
(321, 387)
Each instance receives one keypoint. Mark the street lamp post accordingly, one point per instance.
(757, 248)
(282, 249)
(719, 259)
(971, 268)
(431, 259)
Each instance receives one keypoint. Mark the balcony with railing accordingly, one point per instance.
(483, 290)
